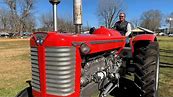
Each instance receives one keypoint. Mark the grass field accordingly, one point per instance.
(15, 66)
(166, 49)
(166, 74)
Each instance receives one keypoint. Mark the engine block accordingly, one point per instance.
(101, 67)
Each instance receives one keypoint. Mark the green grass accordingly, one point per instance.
(15, 67)
(166, 43)
(166, 82)
(166, 74)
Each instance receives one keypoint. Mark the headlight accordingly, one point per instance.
(84, 48)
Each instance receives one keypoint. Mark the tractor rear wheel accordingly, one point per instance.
(146, 59)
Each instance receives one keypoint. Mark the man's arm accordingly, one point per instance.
(128, 30)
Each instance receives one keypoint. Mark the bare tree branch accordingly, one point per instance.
(151, 19)
(64, 25)
(4, 20)
(108, 11)
(20, 16)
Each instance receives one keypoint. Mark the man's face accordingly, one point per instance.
(122, 17)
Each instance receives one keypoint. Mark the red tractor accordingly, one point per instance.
(77, 65)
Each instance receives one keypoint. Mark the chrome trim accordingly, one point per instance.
(35, 69)
(60, 70)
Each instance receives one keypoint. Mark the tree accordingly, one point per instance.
(108, 11)
(12, 15)
(25, 17)
(151, 19)
(64, 24)
(169, 20)
(46, 21)
(171, 15)
(4, 19)
(135, 22)
(20, 16)
(29, 24)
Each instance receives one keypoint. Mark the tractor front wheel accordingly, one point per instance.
(27, 92)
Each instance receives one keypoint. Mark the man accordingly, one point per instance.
(123, 26)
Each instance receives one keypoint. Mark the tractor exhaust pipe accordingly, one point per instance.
(77, 15)
(54, 3)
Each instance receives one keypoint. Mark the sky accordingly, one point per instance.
(134, 9)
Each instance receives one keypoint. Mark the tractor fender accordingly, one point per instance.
(142, 39)
(145, 37)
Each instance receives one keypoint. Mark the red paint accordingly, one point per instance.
(150, 37)
(42, 70)
(54, 39)
(36, 93)
(108, 32)
(142, 37)
(58, 40)
(131, 45)
(77, 74)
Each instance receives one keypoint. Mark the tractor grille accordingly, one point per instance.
(60, 70)
(35, 69)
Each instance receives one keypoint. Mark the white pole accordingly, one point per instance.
(54, 3)
(55, 16)
(77, 15)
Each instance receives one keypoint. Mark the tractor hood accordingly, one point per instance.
(102, 39)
